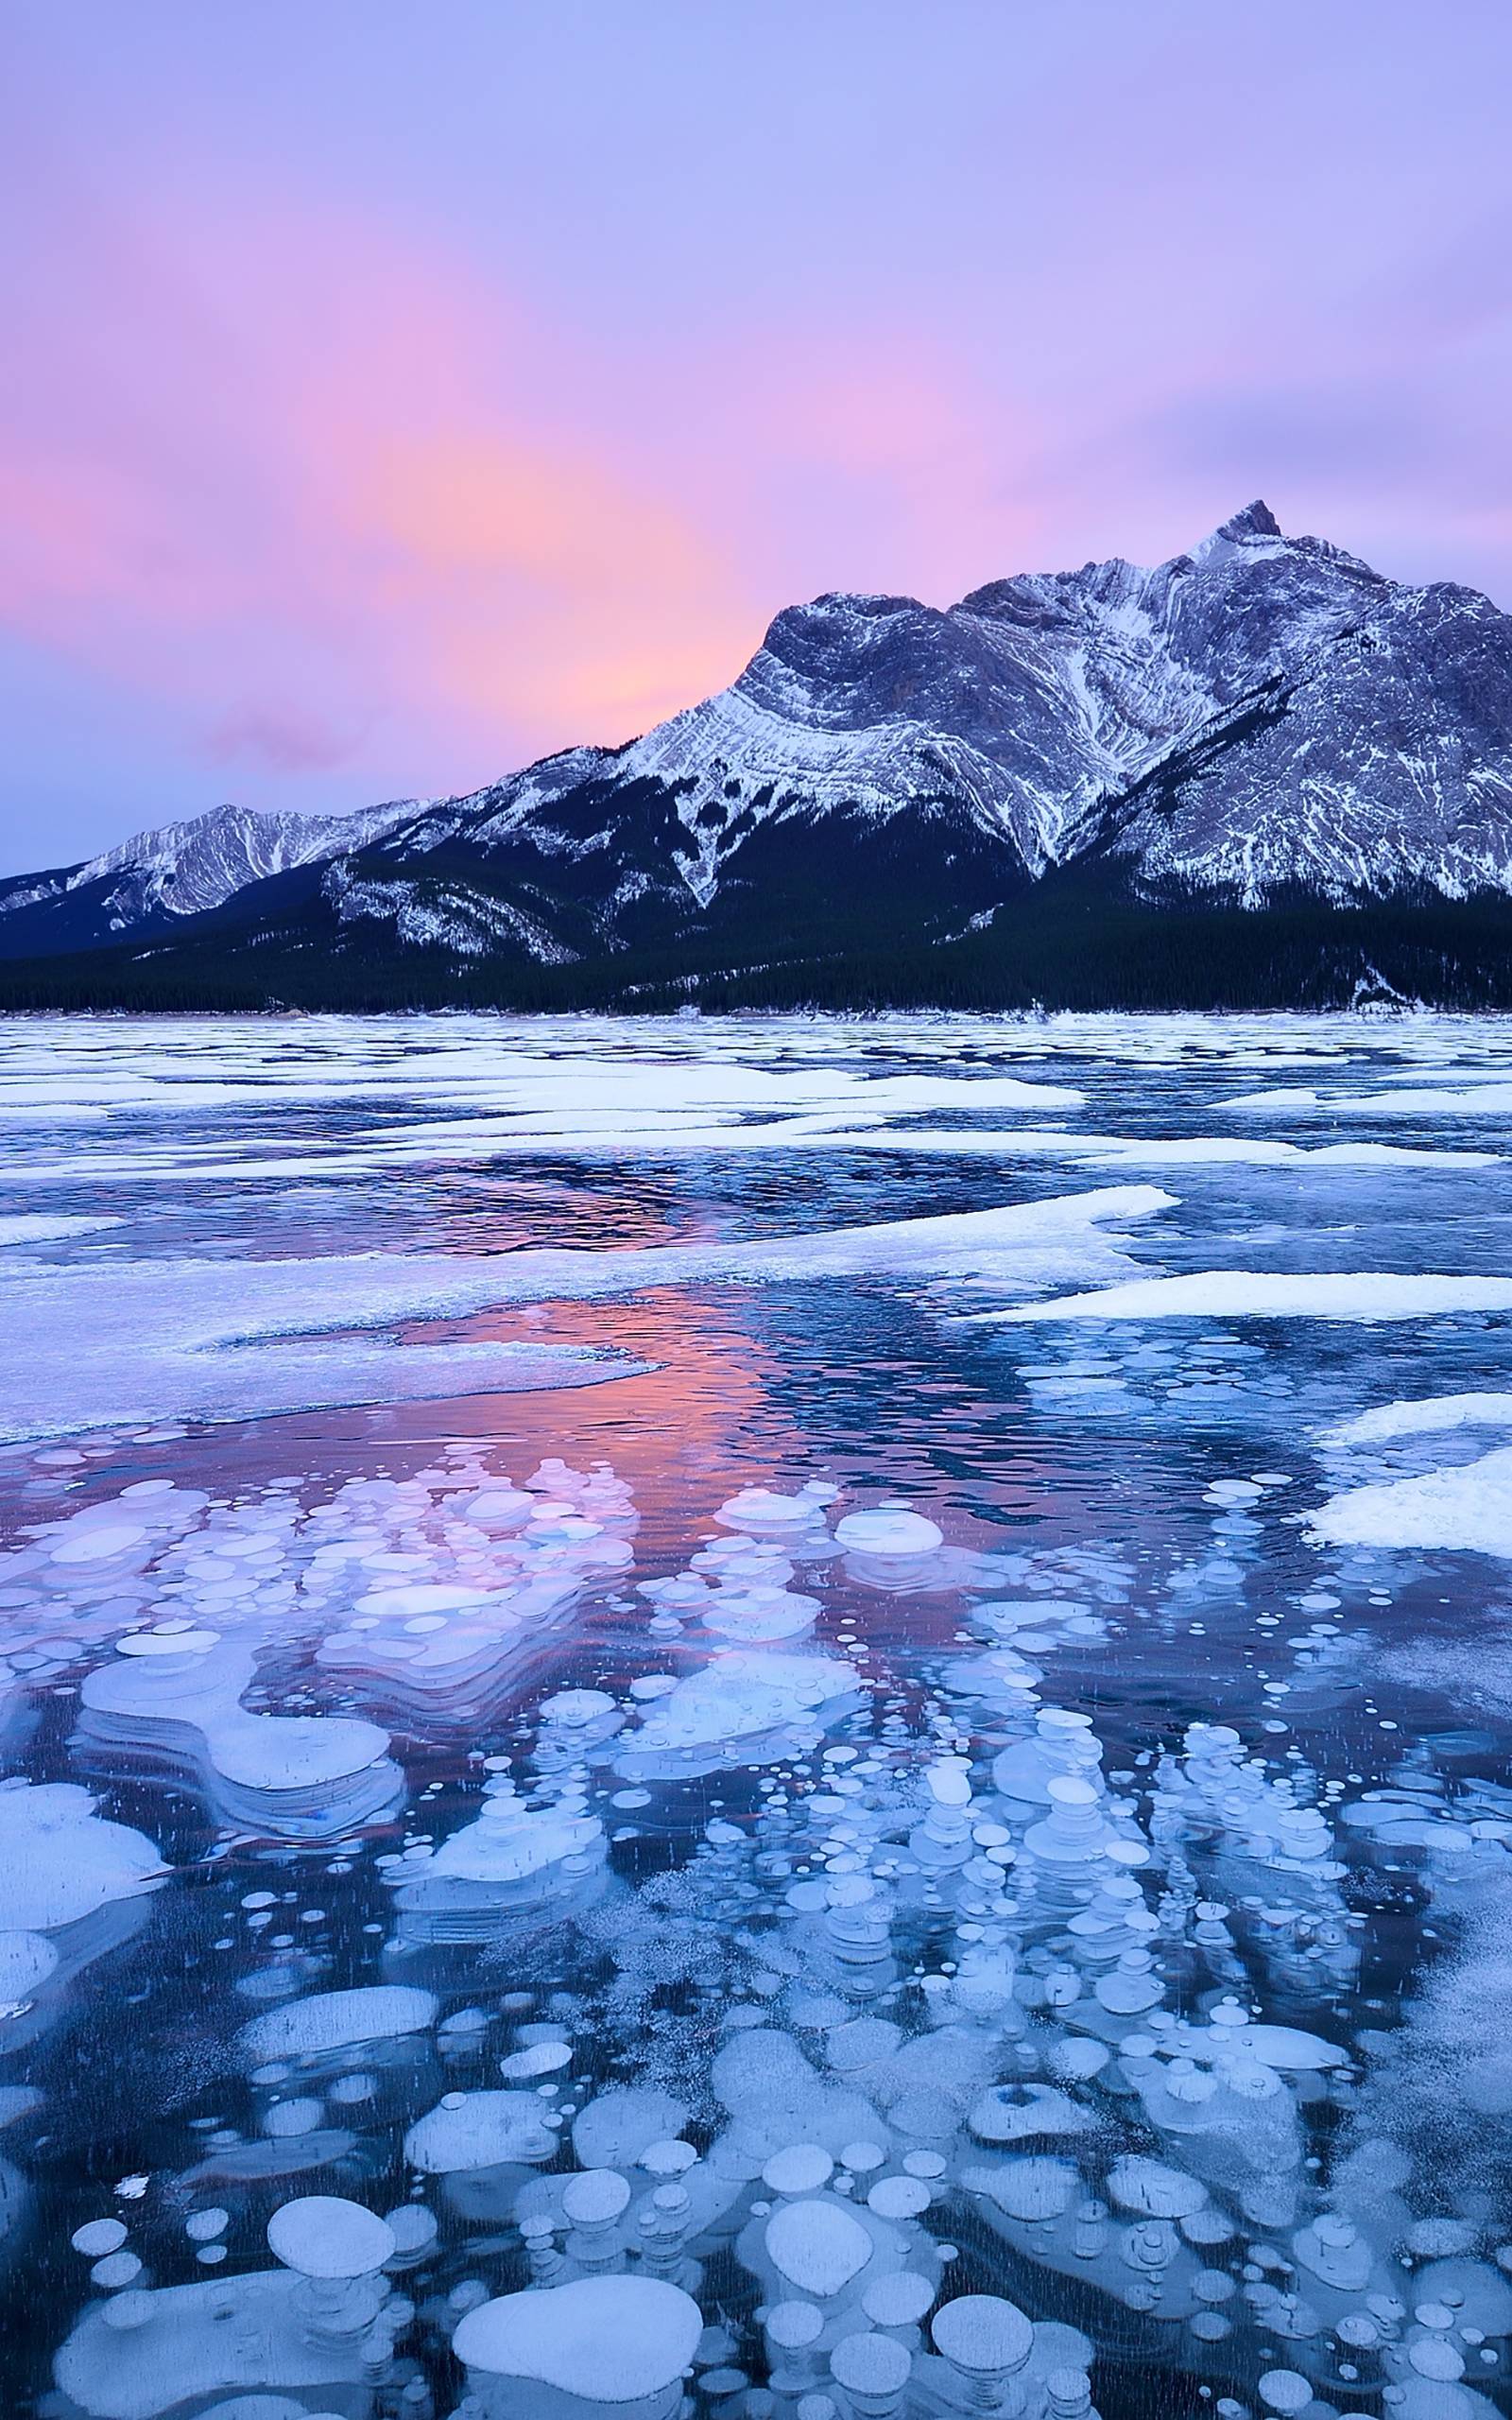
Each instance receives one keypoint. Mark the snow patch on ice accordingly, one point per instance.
(1248, 1294)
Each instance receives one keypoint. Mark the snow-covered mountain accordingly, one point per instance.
(178, 869)
(1263, 712)
(1263, 720)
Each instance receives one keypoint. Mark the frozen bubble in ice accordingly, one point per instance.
(763, 1508)
(1033, 2188)
(26, 1960)
(792, 2326)
(861, 2158)
(578, 1709)
(1154, 2191)
(605, 2340)
(286, 2119)
(260, 2407)
(1285, 2046)
(1433, 2357)
(322, 2235)
(983, 2335)
(891, 1530)
(868, 2365)
(618, 2125)
(1079, 2058)
(329, 2021)
(949, 1781)
(169, 1642)
(898, 2197)
(667, 2159)
(803, 2168)
(594, 2197)
(897, 2301)
(60, 1862)
(85, 1541)
(499, 1508)
(760, 1614)
(538, 2059)
(98, 2237)
(1440, 2239)
(862, 2043)
(1007, 2113)
(1285, 2391)
(816, 2246)
(479, 2130)
(118, 2268)
(414, 2230)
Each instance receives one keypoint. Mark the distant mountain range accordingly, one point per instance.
(1259, 774)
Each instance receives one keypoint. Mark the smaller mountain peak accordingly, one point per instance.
(1256, 530)
(1256, 520)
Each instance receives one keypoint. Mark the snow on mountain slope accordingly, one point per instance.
(1382, 761)
(1325, 726)
(178, 869)
(1263, 715)
(184, 867)
(1038, 704)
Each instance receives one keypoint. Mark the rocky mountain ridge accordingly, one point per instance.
(1263, 720)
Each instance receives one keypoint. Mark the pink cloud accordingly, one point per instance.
(344, 500)
(278, 741)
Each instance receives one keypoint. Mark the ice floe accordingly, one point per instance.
(1239, 1293)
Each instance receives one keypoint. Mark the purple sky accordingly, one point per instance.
(391, 394)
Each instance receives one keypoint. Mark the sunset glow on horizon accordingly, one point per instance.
(392, 400)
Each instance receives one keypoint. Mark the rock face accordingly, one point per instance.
(1263, 720)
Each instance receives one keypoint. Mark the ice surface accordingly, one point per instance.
(1237, 1293)
(171, 1339)
(959, 1798)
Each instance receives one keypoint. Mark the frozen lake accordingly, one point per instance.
(810, 1715)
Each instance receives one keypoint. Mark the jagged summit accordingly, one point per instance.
(1256, 520)
(1265, 716)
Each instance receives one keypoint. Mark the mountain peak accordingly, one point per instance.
(1253, 531)
(1256, 520)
